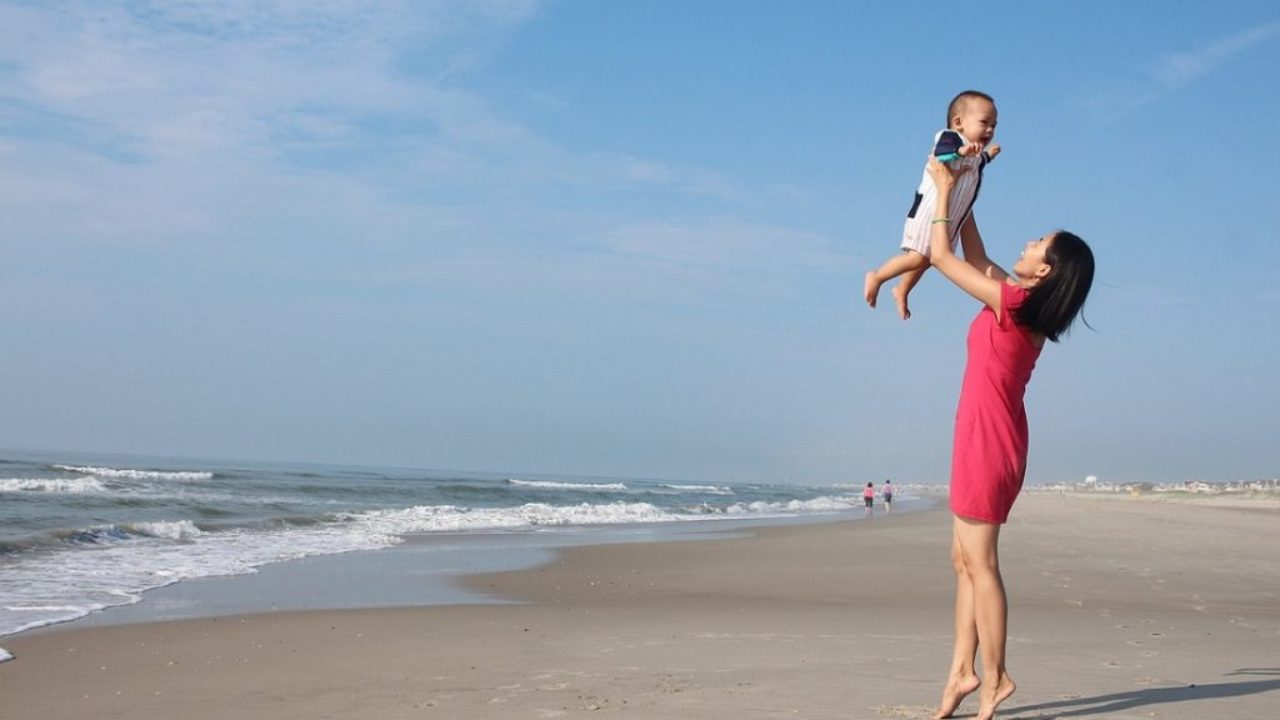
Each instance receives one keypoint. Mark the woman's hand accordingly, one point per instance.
(944, 178)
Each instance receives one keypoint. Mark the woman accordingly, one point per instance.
(1038, 301)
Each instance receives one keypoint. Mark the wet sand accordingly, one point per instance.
(1121, 608)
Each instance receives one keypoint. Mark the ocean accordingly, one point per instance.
(82, 533)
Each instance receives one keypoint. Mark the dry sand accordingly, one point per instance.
(1121, 608)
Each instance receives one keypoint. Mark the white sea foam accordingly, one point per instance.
(118, 563)
(449, 518)
(709, 489)
(116, 569)
(169, 530)
(5, 655)
(553, 485)
(824, 504)
(131, 474)
(52, 485)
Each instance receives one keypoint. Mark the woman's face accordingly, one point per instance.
(1031, 264)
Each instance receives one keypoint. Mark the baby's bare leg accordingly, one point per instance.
(903, 289)
(905, 262)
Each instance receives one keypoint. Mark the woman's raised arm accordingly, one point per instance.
(968, 277)
(975, 251)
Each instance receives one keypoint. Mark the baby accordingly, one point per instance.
(971, 123)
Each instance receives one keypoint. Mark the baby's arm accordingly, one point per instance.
(991, 151)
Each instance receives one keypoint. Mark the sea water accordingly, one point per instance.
(82, 533)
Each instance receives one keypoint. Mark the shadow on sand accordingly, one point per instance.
(1105, 705)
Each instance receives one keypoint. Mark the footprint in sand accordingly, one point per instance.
(553, 687)
(912, 712)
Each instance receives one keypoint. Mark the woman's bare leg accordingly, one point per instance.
(961, 679)
(979, 548)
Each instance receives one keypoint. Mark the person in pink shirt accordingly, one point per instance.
(869, 498)
(1038, 301)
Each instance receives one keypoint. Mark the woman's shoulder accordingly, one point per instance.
(1011, 289)
(1012, 297)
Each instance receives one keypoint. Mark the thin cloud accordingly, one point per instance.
(1178, 69)
(295, 141)
(1174, 71)
(205, 107)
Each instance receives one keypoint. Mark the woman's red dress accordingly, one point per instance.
(989, 458)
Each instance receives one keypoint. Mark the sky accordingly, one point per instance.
(624, 238)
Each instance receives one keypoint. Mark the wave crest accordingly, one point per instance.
(52, 485)
(131, 474)
(554, 485)
(709, 489)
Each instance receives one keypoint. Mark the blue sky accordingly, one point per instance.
(622, 238)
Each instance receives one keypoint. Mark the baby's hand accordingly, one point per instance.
(944, 178)
(969, 150)
(993, 150)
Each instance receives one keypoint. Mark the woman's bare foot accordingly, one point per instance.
(900, 299)
(1004, 688)
(870, 288)
(955, 691)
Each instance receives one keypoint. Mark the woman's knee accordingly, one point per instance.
(957, 561)
(983, 566)
(976, 545)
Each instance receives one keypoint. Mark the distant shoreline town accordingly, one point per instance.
(1092, 484)
(1196, 487)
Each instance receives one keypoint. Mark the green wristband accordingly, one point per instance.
(940, 220)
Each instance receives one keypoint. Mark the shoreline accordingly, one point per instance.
(425, 570)
(1118, 610)
(83, 535)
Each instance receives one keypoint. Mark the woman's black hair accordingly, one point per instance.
(1053, 304)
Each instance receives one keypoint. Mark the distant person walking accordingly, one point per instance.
(1037, 302)
(888, 496)
(869, 498)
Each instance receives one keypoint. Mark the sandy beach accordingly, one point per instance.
(1121, 608)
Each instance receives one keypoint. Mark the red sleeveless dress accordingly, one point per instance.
(989, 458)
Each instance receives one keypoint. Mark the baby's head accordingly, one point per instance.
(973, 115)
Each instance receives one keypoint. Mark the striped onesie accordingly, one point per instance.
(916, 230)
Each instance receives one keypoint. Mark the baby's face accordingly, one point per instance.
(976, 120)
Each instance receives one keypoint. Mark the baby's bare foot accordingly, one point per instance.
(954, 692)
(1005, 688)
(900, 299)
(870, 288)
